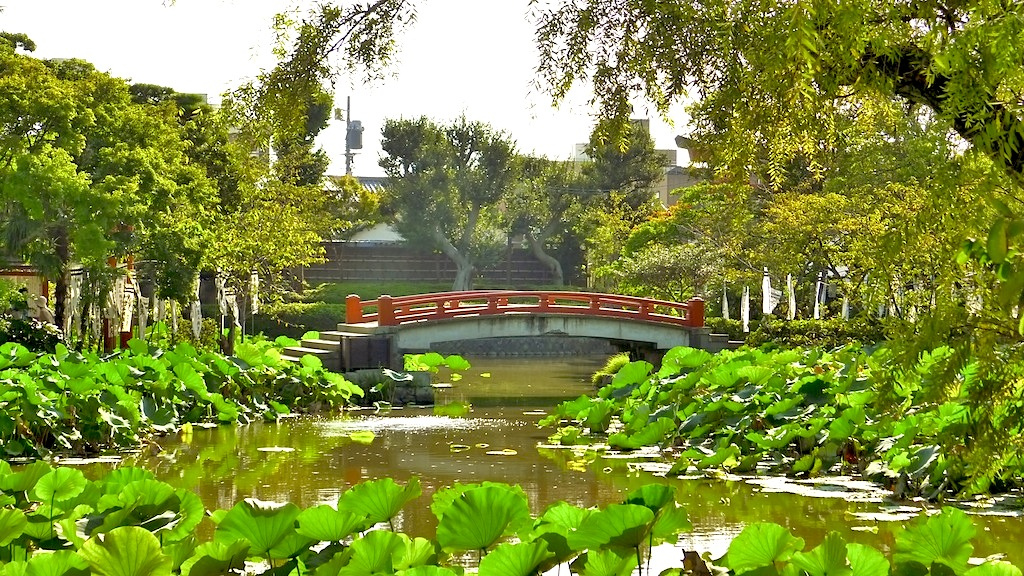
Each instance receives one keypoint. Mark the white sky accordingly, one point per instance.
(472, 57)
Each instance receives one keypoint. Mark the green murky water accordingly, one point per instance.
(310, 461)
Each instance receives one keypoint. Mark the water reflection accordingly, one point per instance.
(498, 441)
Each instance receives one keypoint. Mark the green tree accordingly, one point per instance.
(445, 182)
(544, 206)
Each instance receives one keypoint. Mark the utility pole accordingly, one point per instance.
(353, 134)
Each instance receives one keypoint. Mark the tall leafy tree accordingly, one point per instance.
(445, 181)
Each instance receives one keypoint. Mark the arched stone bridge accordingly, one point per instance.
(377, 332)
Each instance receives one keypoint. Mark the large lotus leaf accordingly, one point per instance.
(632, 373)
(828, 559)
(479, 517)
(605, 563)
(760, 545)
(379, 500)
(651, 434)
(116, 480)
(521, 559)
(12, 525)
(444, 497)
(999, 568)
(59, 563)
(943, 538)
(457, 363)
(670, 521)
(653, 496)
(725, 375)
(428, 571)
(26, 478)
(617, 526)
(216, 558)
(192, 380)
(263, 525)
(189, 514)
(683, 358)
(866, 561)
(758, 375)
(16, 567)
(561, 517)
(329, 525)
(126, 551)
(375, 553)
(180, 550)
(418, 552)
(59, 485)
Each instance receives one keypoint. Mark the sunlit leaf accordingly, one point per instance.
(761, 544)
(379, 500)
(126, 551)
(520, 559)
(827, 559)
(617, 525)
(479, 517)
(943, 539)
(329, 525)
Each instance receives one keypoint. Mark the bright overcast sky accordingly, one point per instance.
(472, 57)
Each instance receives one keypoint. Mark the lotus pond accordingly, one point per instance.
(312, 461)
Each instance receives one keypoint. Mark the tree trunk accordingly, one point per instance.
(537, 248)
(63, 249)
(463, 263)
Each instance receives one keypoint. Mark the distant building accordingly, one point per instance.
(674, 177)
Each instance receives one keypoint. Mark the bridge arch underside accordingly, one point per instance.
(445, 335)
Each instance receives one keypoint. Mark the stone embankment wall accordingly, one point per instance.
(533, 346)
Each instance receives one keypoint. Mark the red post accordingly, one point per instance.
(353, 309)
(386, 311)
(695, 312)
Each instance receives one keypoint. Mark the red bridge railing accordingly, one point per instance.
(394, 311)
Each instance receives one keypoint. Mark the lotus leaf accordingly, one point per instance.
(329, 525)
(521, 559)
(126, 551)
(828, 559)
(605, 563)
(59, 563)
(375, 553)
(866, 561)
(264, 525)
(418, 552)
(761, 545)
(429, 571)
(379, 500)
(632, 373)
(216, 558)
(479, 517)
(24, 480)
(59, 485)
(998, 568)
(943, 539)
(12, 525)
(621, 526)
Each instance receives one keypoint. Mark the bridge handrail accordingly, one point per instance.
(393, 311)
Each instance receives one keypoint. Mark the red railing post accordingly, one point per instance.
(353, 309)
(695, 312)
(385, 311)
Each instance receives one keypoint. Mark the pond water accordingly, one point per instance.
(310, 461)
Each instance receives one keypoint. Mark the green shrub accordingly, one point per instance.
(611, 366)
(828, 333)
(30, 333)
(294, 319)
(734, 328)
(11, 297)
